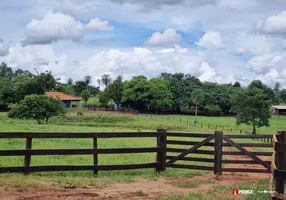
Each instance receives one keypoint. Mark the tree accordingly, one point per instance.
(87, 80)
(252, 107)
(38, 107)
(105, 79)
(136, 92)
(236, 84)
(277, 100)
(85, 96)
(79, 87)
(103, 98)
(213, 109)
(115, 90)
(46, 81)
(161, 96)
(98, 82)
(282, 95)
(197, 96)
(70, 81)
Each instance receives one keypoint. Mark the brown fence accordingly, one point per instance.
(216, 142)
(214, 158)
(278, 166)
(158, 164)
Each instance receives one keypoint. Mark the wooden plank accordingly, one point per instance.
(245, 170)
(76, 168)
(280, 163)
(79, 135)
(193, 159)
(95, 156)
(218, 152)
(191, 167)
(42, 152)
(240, 153)
(27, 160)
(278, 147)
(249, 136)
(250, 154)
(242, 162)
(195, 147)
(198, 135)
(161, 156)
(196, 151)
(211, 144)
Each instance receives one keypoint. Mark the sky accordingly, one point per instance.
(219, 41)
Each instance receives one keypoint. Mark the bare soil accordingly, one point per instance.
(141, 189)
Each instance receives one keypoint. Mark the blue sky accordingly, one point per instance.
(219, 41)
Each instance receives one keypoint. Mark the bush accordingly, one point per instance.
(38, 107)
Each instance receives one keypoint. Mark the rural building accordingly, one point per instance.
(279, 110)
(66, 99)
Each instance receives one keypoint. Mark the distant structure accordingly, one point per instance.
(279, 110)
(66, 99)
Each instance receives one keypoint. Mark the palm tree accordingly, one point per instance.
(105, 79)
(197, 96)
(70, 81)
(87, 80)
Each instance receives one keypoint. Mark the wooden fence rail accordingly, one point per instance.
(278, 166)
(158, 164)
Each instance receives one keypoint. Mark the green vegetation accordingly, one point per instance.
(224, 192)
(38, 107)
(252, 107)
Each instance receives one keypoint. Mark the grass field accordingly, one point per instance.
(93, 122)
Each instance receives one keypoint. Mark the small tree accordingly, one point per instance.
(38, 107)
(252, 107)
(197, 96)
(85, 96)
(213, 109)
(103, 98)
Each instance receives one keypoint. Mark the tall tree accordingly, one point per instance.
(85, 96)
(87, 80)
(277, 100)
(70, 81)
(115, 90)
(197, 97)
(105, 79)
(252, 106)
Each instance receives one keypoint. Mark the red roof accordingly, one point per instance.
(62, 96)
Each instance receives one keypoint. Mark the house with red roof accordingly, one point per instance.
(66, 99)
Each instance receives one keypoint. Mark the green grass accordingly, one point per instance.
(224, 192)
(92, 122)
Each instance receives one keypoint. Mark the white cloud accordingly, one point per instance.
(262, 64)
(273, 25)
(238, 52)
(210, 39)
(168, 37)
(4, 48)
(56, 26)
(98, 24)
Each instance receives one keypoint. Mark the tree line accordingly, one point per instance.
(168, 92)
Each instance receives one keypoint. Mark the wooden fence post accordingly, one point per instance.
(95, 156)
(161, 155)
(280, 160)
(27, 161)
(218, 152)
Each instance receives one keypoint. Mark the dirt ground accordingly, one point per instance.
(140, 189)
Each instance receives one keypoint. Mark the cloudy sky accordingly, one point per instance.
(216, 40)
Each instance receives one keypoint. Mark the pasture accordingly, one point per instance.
(106, 122)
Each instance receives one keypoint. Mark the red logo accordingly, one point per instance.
(234, 191)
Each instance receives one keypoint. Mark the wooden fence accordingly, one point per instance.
(214, 157)
(216, 154)
(278, 166)
(158, 164)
